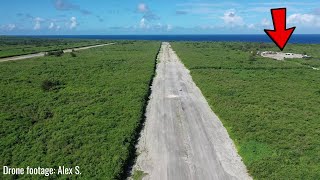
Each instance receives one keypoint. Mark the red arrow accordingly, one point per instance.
(280, 35)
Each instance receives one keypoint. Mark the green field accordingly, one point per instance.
(12, 46)
(270, 108)
(85, 109)
(75, 111)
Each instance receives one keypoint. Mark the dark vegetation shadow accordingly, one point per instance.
(51, 85)
(244, 68)
(128, 165)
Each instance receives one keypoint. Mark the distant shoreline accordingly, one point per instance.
(296, 38)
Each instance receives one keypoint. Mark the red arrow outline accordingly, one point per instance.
(275, 27)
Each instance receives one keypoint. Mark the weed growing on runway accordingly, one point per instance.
(138, 175)
(75, 111)
(270, 108)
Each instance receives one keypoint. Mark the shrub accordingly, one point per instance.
(252, 57)
(73, 54)
(48, 85)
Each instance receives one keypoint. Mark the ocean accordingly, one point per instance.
(295, 38)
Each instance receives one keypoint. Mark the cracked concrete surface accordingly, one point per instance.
(182, 137)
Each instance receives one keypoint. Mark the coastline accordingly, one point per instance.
(296, 39)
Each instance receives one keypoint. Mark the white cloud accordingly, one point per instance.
(208, 9)
(11, 27)
(37, 24)
(143, 23)
(8, 27)
(251, 26)
(265, 22)
(51, 26)
(304, 19)
(142, 8)
(73, 23)
(65, 5)
(147, 13)
(231, 18)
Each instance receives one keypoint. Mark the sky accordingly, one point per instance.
(123, 17)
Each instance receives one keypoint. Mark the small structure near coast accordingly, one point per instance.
(282, 56)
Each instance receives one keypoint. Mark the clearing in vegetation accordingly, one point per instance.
(75, 111)
(270, 108)
(182, 138)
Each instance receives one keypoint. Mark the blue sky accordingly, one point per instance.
(104, 17)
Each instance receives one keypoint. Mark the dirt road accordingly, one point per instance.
(182, 138)
(87, 47)
(41, 54)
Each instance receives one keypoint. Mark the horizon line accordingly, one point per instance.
(139, 34)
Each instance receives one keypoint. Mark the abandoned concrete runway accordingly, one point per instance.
(183, 138)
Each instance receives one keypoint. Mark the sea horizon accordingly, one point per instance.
(295, 39)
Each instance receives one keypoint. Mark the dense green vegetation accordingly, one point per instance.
(270, 108)
(12, 46)
(75, 111)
